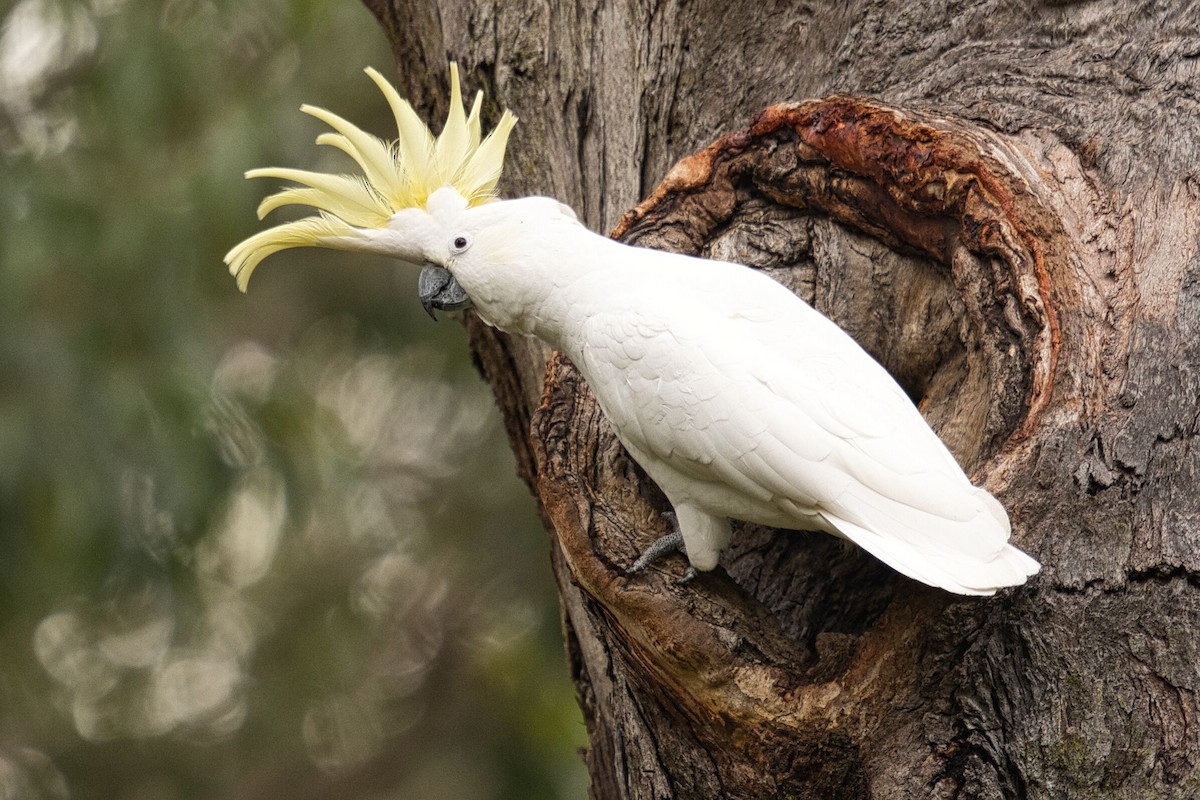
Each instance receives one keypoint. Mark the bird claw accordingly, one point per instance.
(664, 546)
(660, 548)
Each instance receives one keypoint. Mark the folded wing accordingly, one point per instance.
(743, 386)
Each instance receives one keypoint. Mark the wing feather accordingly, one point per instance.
(747, 388)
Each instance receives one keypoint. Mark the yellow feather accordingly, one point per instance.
(308, 232)
(397, 175)
(473, 125)
(356, 215)
(454, 144)
(372, 155)
(333, 192)
(479, 176)
(414, 148)
(338, 141)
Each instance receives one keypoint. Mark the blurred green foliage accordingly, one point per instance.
(250, 546)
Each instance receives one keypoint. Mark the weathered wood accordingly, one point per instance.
(1011, 224)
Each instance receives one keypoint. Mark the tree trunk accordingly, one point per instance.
(1001, 203)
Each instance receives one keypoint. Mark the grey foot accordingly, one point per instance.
(662, 547)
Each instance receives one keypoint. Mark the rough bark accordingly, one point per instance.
(1000, 202)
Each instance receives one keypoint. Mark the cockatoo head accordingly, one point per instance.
(504, 258)
(410, 201)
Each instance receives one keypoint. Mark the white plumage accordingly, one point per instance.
(738, 398)
(735, 396)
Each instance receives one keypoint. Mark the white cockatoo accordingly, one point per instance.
(739, 399)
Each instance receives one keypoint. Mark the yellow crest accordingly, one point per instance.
(396, 175)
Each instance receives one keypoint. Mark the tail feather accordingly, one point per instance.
(1008, 567)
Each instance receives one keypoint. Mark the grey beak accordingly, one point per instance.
(440, 291)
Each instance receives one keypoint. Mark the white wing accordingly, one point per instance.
(732, 391)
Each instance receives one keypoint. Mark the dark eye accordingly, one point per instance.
(460, 243)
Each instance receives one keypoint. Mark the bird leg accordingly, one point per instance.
(664, 546)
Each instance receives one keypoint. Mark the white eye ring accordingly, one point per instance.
(460, 243)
